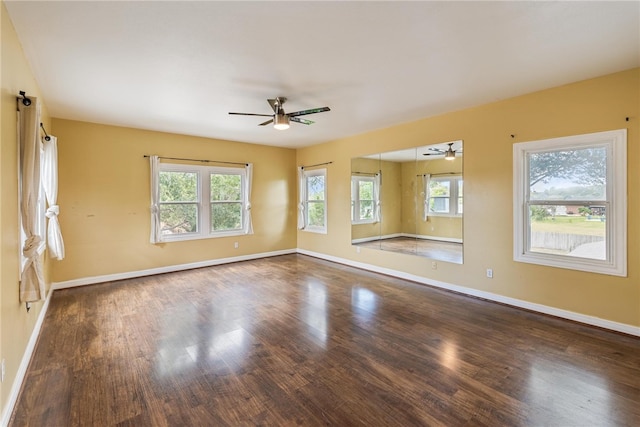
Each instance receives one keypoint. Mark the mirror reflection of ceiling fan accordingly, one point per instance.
(449, 153)
(280, 119)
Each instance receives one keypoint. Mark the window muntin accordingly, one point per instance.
(445, 196)
(315, 200)
(570, 202)
(200, 201)
(362, 199)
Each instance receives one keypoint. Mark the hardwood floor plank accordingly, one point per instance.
(294, 340)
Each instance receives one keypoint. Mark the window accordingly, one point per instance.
(315, 200)
(570, 202)
(198, 202)
(445, 196)
(363, 199)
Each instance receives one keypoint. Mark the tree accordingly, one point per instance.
(178, 202)
(539, 213)
(580, 166)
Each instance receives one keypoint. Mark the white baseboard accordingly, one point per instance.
(413, 236)
(24, 363)
(167, 269)
(565, 314)
(436, 238)
(374, 238)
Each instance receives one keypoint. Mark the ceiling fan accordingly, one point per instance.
(449, 153)
(280, 119)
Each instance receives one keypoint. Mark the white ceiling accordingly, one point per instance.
(182, 66)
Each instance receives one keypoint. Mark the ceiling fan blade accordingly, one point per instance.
(266, 123)
(310, 111)
(252, 114)
(303, 121)
(437, 150)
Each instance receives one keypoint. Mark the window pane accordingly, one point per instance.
(178, 186)
(178, 218)
(568, 175)
(366, 190)
(582, 235)
(439, 188)
(315, 187)
(226, 216)
(366, 209)
(226, 187)
(316, 214)
(440, 204)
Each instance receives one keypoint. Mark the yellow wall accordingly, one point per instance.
(16, 324)
(590, 106)
(104, 199)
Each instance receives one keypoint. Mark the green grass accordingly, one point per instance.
(570, 225)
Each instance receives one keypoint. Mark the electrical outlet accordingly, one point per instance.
(236, 245)
(357, 249)
(490, 273)
(3, 371)
(434, 265)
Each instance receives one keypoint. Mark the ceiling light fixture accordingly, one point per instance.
(281, 122)
(450, 154)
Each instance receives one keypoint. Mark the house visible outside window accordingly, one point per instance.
(363, 203)
(315, 200)
(570, 202)
(198, 202)
(445, 196)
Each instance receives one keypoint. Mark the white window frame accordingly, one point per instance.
(615, 143)
(355, 199)
(308, 227)
(454, 195)
(203, 174)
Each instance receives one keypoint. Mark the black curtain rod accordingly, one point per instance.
(439, 174)
(200, 160)
(319, 164)
(365, 173)
(25, 100)
(46, 136)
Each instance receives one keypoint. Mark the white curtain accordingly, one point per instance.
(248, 225)
(156, 234)
(50, 185)
(377, 216)
(426, 180)
(302, 191)
(31, 280)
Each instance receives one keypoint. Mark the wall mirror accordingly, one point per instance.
(410, 201)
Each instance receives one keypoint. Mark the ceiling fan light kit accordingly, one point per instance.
(281, 122)
(280, 119)
(450, 154)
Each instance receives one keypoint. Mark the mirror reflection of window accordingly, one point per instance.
(419, 208)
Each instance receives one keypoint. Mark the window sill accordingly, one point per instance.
(573, 263)
(188, 236)
(315, 230)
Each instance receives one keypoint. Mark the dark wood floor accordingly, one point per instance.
(296, 340)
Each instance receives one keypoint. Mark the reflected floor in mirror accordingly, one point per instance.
(441, 251)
